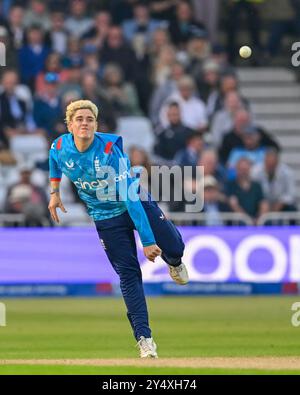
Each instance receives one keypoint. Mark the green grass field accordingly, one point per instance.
(183, 327)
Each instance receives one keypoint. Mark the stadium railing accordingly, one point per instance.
(12, 220)
(238, 219)
(179, 218)
(275, 218)
(18, 220)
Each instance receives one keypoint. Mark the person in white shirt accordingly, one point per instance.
(78, 23)
(192, 108)
(277, 181)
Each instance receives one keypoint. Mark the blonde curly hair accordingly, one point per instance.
(80, 105)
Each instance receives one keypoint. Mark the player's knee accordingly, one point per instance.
(176, 250)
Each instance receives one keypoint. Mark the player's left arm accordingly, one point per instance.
(127, 190)
(55, 175)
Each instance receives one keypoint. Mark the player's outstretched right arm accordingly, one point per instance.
(55, 201)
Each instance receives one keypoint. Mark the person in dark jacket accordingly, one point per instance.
(234, 138)
(190, 155)
(14, 116)
(184, 27)
(116, 50)
(244, 195)
(32, 56)
(171, 139)
(47, 109)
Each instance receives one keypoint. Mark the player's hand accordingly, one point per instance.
(55, 202)
(151, 252)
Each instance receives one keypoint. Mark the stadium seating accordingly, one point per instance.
(136, 131)
(31, 148)
(276, 107)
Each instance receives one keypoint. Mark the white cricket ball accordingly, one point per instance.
(245, 52)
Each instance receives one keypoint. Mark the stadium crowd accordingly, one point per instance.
(156, 60)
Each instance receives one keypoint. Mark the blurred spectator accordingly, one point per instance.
(47, 110)
(210, 162)
(163, 91)
(198, 51)
(57, 36)
(121, 10)
(207, 12)
(138, 157)
(15, 117)
(52, 65)
(208, 83)
(11, 58)
(246, 196)
(219, 55)
(16, 27)
(253, 148)
(171, 139)
(143, 71)
(134, 69)
(183, 27)
(214, 203)
(285, 16)
(160, 38)
(29, 199)
(6, 157)
(37, 14)
(234, 138)
(189, 156)
(223, 120)
(251, 11)
(32, 56)
(142, 24)
(228, 83)
(115, 50)
(163, 64)
(74, 54)
(73, 82)
(97, 34)
(121, 95)
(193, 109)
(90, 91)
(5, 7)
(78, 23)
(163, 9)
(91, 60)
(277, 181)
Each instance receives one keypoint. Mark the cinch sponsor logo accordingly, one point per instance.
(90, 185)
(122, 176)
(98, 184)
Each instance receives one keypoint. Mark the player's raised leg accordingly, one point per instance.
(169, 239)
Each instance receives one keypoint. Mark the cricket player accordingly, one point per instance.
(96, 164)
